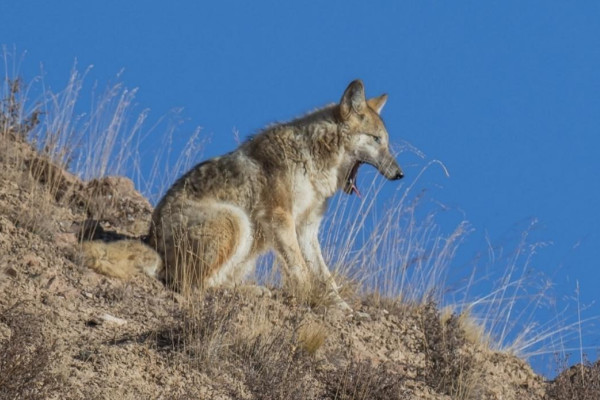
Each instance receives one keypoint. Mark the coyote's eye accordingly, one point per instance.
(377, 139)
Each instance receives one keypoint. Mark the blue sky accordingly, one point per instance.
(506, 94)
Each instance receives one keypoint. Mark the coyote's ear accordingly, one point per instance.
(353, 99)
(377, 103)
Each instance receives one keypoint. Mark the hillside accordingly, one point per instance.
(69, 333)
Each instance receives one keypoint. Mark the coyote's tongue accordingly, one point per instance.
(355, 189)
(350, 186)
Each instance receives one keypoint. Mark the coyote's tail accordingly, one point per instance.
(121, 258)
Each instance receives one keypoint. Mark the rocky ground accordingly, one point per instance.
(69, 333)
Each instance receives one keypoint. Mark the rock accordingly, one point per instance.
(112, 319)
(105, 318)
(115, 200)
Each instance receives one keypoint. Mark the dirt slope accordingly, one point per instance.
(67, 332)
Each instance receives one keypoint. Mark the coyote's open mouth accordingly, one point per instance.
(350, 186)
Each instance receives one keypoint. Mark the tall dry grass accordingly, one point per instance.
(97, 137)
(399, 250)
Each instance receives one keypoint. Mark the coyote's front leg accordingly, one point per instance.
(308, 238)
(286, 245)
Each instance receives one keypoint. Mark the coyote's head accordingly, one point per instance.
(366, 139)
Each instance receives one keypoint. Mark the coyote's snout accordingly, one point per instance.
(270, 193)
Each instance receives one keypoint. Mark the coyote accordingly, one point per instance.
(270, 193)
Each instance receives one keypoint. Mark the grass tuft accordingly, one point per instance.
(27, 374)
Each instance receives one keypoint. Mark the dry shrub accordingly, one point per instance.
(311, 337)
(317, 293)
(36, 214)
(451, 368)
(203, 332)
(43, 182)
(26, 359)
(12, 118)
(392, 305)
(579, 382)
(272, 362)
(361, 380)
(471, 330)
(275, 367)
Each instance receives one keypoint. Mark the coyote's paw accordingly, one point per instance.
(361, 316)
(255, 290)
(342, 306)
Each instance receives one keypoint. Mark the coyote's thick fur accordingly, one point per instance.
(270, 193)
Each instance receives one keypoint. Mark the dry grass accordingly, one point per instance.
(403, 255)
(311, 337)
(361, 380)
(281, 362)
(272, 362)
(473, 331)
(13, 119)
(579, 382)
(27, 374)
(452, 370)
